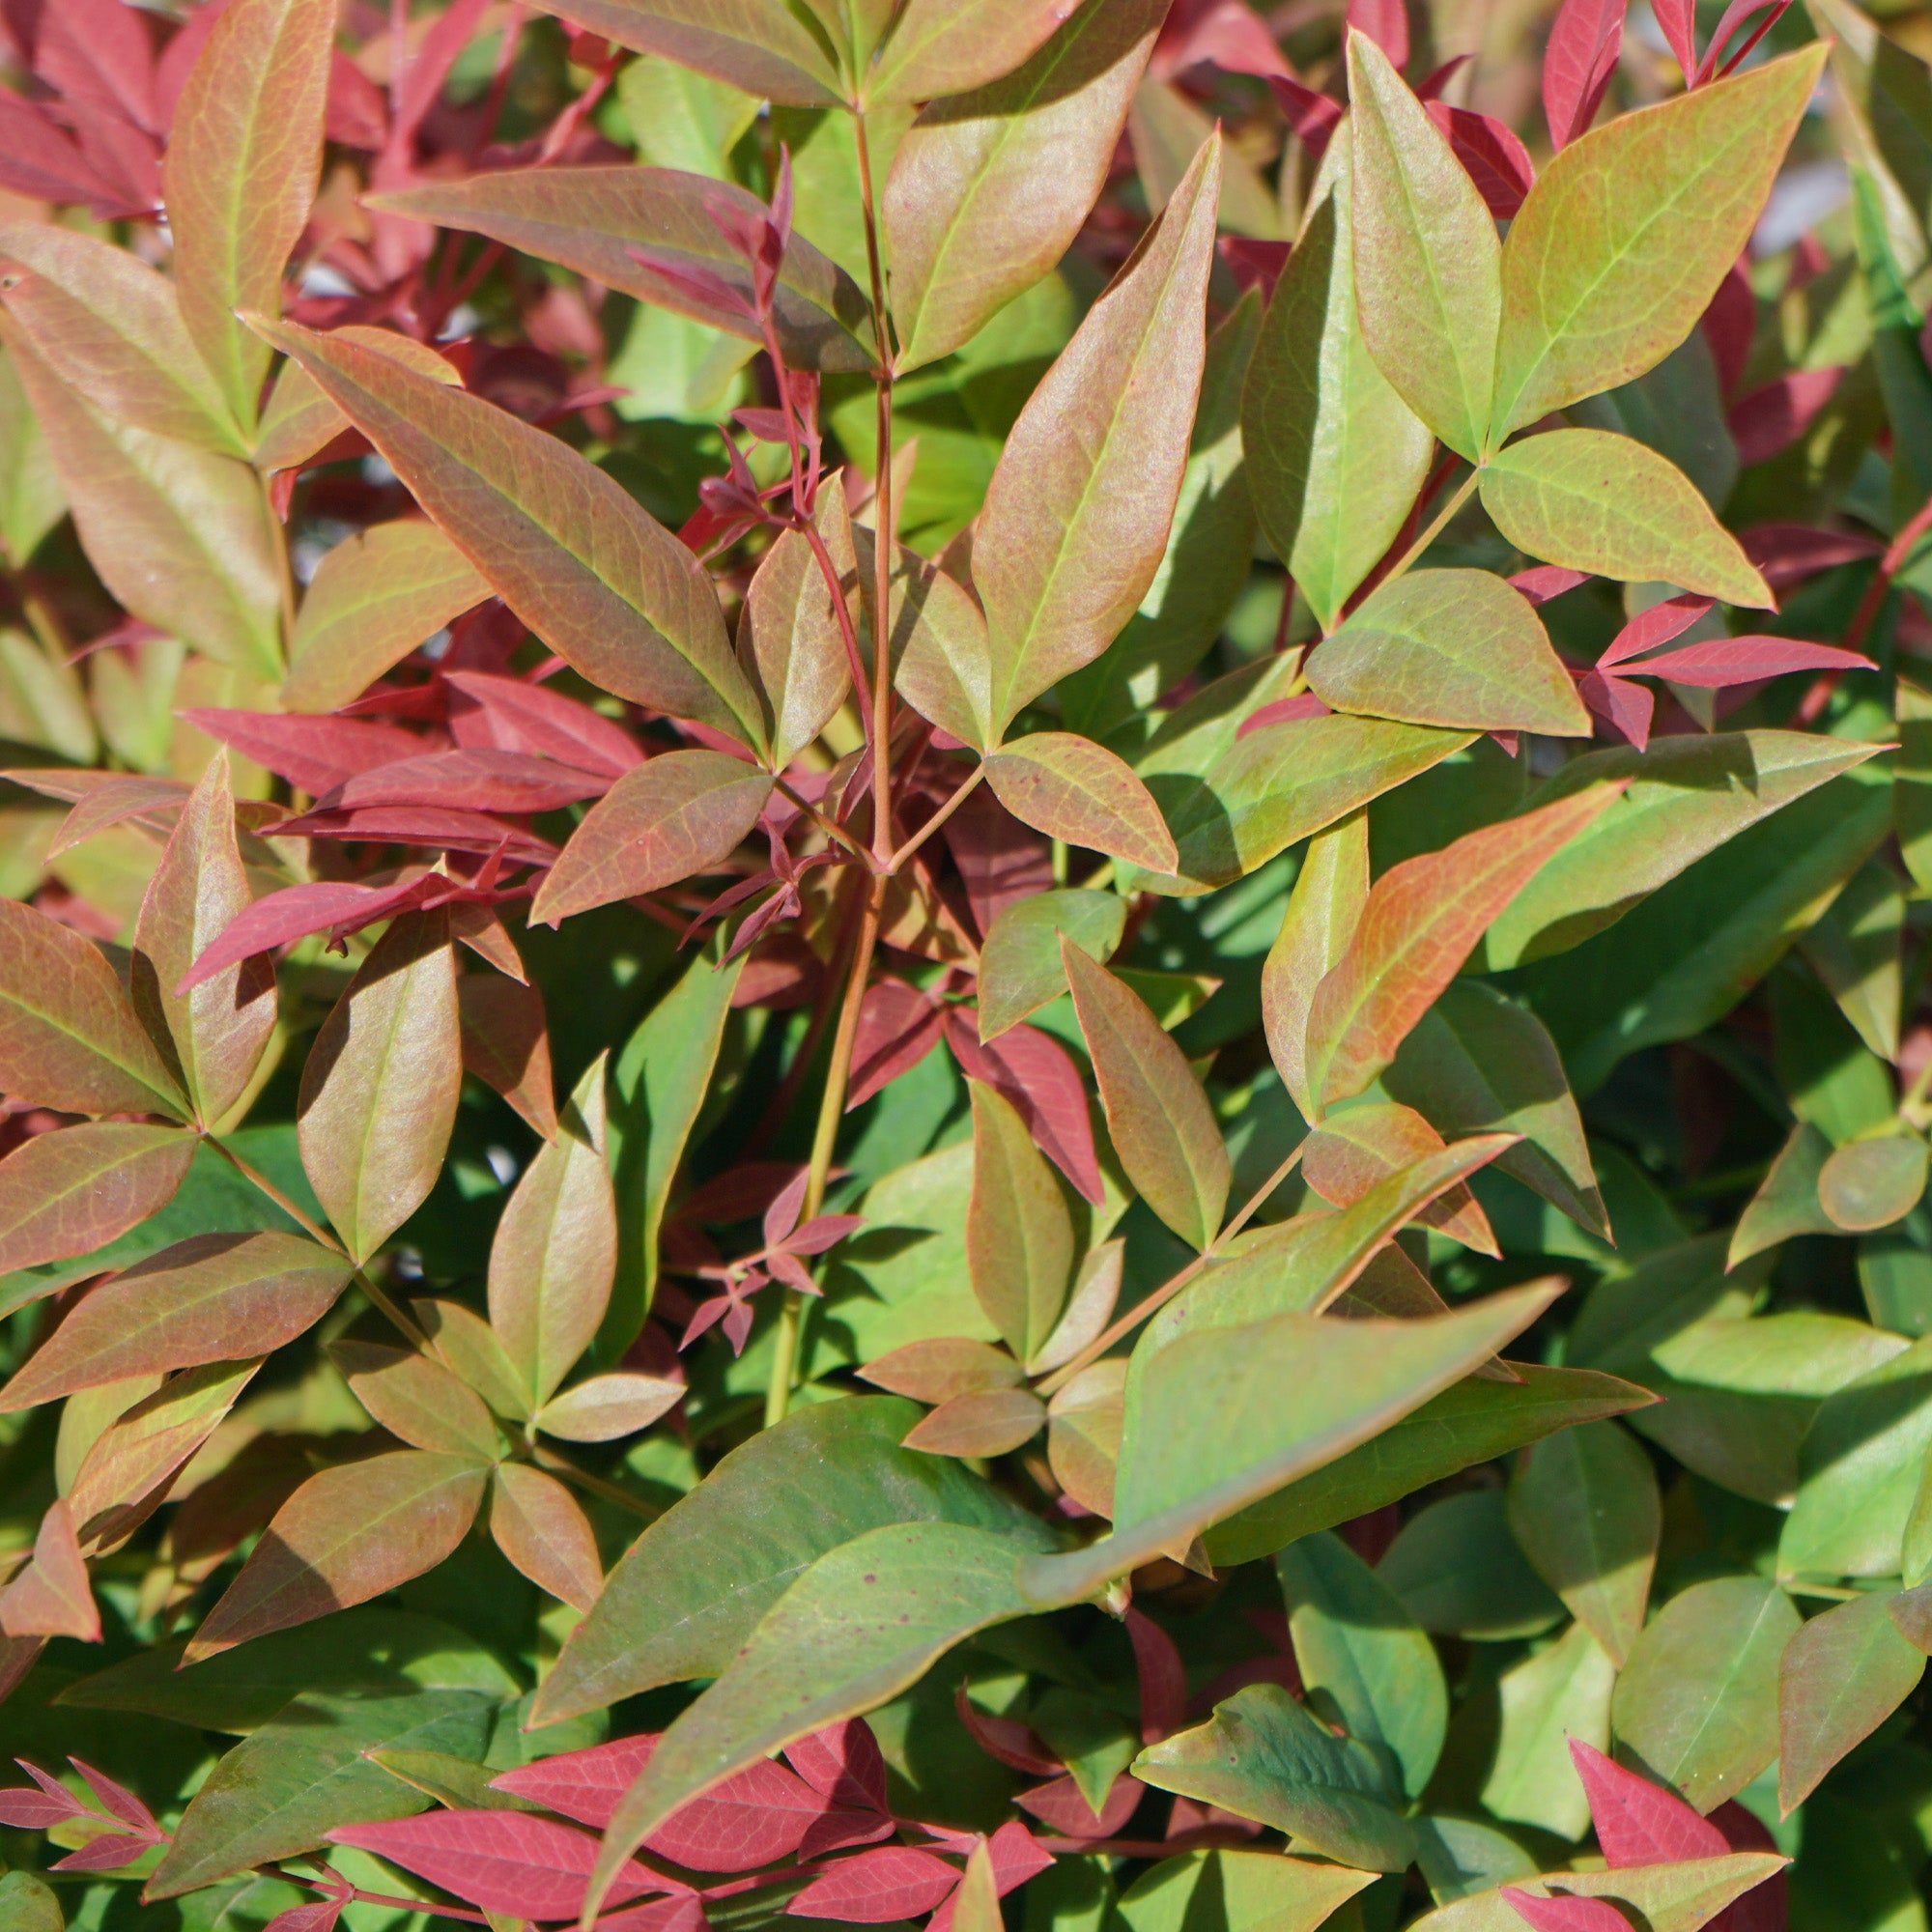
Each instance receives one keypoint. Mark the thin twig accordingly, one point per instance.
(829, 825)
(932, 824)
(1442, 523)
(547, 1458)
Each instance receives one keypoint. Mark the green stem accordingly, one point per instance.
(883, 547)
(547, 1458)
(1442, 523)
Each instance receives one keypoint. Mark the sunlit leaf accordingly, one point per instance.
(538, 1525)
(1083, 794)
(1840, 1677)
(1019, 1238)
(77, 1189)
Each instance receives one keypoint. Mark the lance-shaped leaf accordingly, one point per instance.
(758, 46)
(1548, 1698)
(934, 48)
(1356, 1643)
(1697, 1702)
(586, 566)
(1222, 1415)
(538, 1525)
(108, 325)
(1684, 797)
(1335, 458)
(1476, 1063)
(1583, 1505)
(681, 813)
(1428, 276)
(1354, 1151)
(298, 422)
(690, 1591)
(1323, 910)
(209, 1298)
(220, 1029)
(374, 598)
(182, 536)
(1471, 1423)
(556, 1247)
(1841, 1676)
(467, 1345)
(789, 639)
(1681, 1896)
(989, 184)
(52, 1596)
(1601, 283)
(345, 1536)
(945, 666)
(1077, 513)
(603, 1408)
(863, 1623)
(243, 156)
(648, 231)
(1262, 1755)
(1019, 965)
(1019, 1237)
(1639, 1823)
(1449, 647)
(1253, 1888)
(1422, 920)
(1163, 1129)
(1587, 499)
(1075, 790)
(379, 1091)
(417, 1400)
(506, 1045)
(69, 1038)
(77, 1188)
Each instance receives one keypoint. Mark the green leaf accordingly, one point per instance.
(1682, 1896)
(1476, 1063)
(28, 1905)
(1223, 1416)
(1019, 965)
(380, 1089)
(936, 49)
(790, 643)
(1264, 1757)
(1590, 501)
(945, 669)
(592, 218)
(31, 502)
(1357, 1645)
(1460, 1858)
(1427, 259)
(1601, 278)
(181, 536)
(217, 1031)
(74, 1191)
(863, 1623)
(1075, 790)
(1786, 1202)
(1854, 948)
(1858, 1472)
(555, 1248)
(1323, 912)
(374, 598)
(1422, 920)
(347, 1534)
(658, 1085)
(1696, 1706)
(1684, 798)
(590, 570)
(1841, 1676)
(1352, 1151)
(1019, 1237)
(1077, 513)
(239, 174)
(298, 422)
(1473, 1422)
(69, 1038)
(280, 1792)
(1461, 1573)
(1237, 1891)
(688, 1592)
(675, 815)
(1556, 1693)
(758, 46)
(990, 184)
(1454, 647)
(109, 327)
(1162, 1127)
(681, 119)
(1584, 1504)
(1165, 128)
(1336, 458)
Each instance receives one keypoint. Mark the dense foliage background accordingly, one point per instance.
(648, 1273)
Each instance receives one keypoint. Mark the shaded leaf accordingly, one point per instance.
(506, 1045)
(1554, 1694)
(1346, 1157)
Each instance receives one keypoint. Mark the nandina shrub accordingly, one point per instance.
(1229, 1237)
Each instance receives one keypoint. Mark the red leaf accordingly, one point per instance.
(1253, 264)
(1012, 1743)
(1774, 418)
(839, 1831)
(1765, 1907)
(95, 53)
(1721, 660)
(1312, 118)
(1491, 156)
(1435, 82)
(1000, 860)
(454, 831)
(843, 1762)
(1283, 711)
(117, 1801)
(681, 1911)
(1787, 554)
(1163, 1678)
(1728, 325)
(1230, 35)
(323, 905)
(38, 160)
(1585, 39)
(511, 716)
(1015, 1855)
(1734, 17)
(899, 1026)
(1653, 627)
(1566, 1911)
(1545, 580)
(319, 1917)
(358, 111)
(435, 54)
(108, 1853)
(1639, 1823)
(1626, 708)
(1061, 1805)
(1678, 19)
(1033, 1071)
(1386, 23)
(315, 755)
(502, 1860)
(28, 1808)
(874, 1887)
(823, 1232)
(468, 779)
